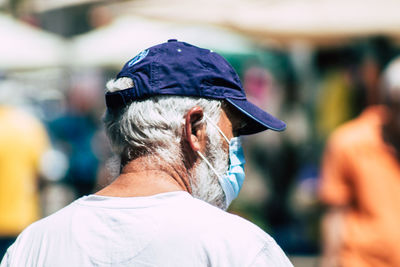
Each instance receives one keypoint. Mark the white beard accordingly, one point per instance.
(204, 181)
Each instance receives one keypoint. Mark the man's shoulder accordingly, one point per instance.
(50, 223)
(226, 225)
(220, 233)
(38, 237)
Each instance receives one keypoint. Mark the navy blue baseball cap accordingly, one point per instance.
(182, 69)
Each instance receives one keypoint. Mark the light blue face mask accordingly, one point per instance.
(231, 181)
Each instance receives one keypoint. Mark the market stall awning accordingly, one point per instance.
(121, 40)
(322, 21)
(25, 47)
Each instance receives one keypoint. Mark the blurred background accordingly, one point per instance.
(314, 64)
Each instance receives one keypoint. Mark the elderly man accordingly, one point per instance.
(174, 114)
(360, 185)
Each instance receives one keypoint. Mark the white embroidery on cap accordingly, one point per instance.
(138, 58)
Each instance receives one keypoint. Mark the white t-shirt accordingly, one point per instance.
(169, 229)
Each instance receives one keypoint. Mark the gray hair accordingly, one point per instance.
(153, 126)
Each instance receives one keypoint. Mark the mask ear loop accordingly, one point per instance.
(219, 130)
(208, 164)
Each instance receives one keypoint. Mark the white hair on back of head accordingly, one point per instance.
(119, 84)
(153, 126)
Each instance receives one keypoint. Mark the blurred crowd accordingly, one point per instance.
(52, 136)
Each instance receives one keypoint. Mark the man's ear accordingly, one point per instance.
(194, 135)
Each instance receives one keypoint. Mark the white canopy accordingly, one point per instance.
(318, 21)
(116, 43)
(25, 47)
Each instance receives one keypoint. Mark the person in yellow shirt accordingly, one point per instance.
(23, 140)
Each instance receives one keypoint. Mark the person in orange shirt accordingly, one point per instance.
(23, 141)
(360, 185)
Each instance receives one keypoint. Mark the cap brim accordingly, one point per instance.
(258, 119)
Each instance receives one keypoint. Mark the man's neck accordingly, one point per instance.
(140, 178)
